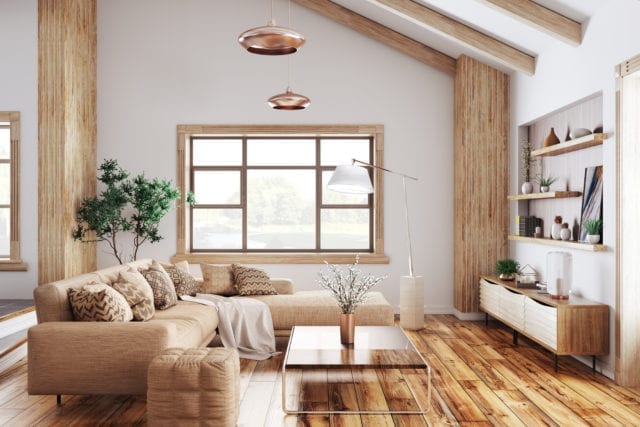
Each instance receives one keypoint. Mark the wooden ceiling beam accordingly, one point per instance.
(546, 20)
(382, 34)
(457, 31)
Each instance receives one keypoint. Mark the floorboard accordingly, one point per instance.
(478, 379)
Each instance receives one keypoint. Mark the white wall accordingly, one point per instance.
(18, 92)
(563, 75)
(168, 62)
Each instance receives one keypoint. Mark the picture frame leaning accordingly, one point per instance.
(591, 199)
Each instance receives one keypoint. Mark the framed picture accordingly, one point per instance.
(591, 198)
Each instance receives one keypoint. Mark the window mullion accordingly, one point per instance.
(243, 193)
(318, 197)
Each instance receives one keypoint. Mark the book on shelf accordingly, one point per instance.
(526, 225)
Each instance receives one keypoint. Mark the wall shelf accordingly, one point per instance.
(573, 145)
(563, 243)
(548, 195)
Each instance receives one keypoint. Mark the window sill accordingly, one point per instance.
(280, 258)
(13, 265)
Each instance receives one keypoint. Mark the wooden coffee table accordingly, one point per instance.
(381, 353)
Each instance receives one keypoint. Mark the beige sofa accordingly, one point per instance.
(67, 357)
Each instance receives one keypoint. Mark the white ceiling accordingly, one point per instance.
(482, 17)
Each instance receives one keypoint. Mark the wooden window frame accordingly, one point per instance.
(14, 262)
(186, 132)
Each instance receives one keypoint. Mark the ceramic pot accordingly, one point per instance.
(565, 234)
(555, 231)
(593, 238)
(504, 276)
(347, 328)
(551, 139)
(544, 188)
(527, 188)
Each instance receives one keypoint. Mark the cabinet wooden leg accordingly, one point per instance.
(515, 337)
(593, 364)
(486, 319)
(555, 362)
(59, 399)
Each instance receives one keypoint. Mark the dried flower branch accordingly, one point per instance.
(347, 285)
(527, 161)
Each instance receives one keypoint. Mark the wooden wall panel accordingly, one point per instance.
(66, 132)
(481, 158)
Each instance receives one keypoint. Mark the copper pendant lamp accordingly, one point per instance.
(271, 39)
(289, 101)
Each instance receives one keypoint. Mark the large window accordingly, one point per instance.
(263, 191)
(9, 208)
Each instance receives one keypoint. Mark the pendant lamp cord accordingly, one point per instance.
(289, 56)
(272, 12)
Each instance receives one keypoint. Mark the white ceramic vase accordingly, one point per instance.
(527, 188)
(565, 234)
(555, 231)
(593, 238)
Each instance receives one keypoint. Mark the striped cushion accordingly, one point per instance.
(137, 292)
(252, 281)
(100, 306)
(183, 281)
(164, 293)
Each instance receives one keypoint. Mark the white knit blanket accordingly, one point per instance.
(244, 324)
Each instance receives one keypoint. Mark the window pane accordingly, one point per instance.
(334, 152)
(217, 152)
(4, 233)
(345, 229)
(281, 209)
(278, 152)
(5, 183)
(330, 197)
(217, 187)
(4, 143)
(217, 229)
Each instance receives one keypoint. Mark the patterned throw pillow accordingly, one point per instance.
(164, 293)
(116, 296)
(183, 281)
(217, 279)
(252, 281)
(137, 292)
(100, 306)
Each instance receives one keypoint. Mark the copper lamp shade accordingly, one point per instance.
(289, 101)
(271, 40)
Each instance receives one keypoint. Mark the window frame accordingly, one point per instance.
(14, 262)
(185, 133)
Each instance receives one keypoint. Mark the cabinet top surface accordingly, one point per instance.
(543, 297)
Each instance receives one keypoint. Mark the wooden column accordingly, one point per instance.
(481, 158)
(66, 132)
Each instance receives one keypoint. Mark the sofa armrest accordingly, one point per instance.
(283, 286)
(94, 357)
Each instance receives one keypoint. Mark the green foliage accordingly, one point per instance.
(546, 181)
(593, 225)
(507, 266)
(126, 205)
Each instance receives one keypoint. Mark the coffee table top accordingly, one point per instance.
(375, 347)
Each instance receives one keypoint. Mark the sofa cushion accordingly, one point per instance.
(138, 293)
(196, 323)
(183, 281)
(103, 305)
(164, 293)
(217, 279)
(252, 281)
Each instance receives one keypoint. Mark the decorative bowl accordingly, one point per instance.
(579, 133)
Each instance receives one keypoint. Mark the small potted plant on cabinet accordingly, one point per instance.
(507, 268)
(593, 227)
(545, 182)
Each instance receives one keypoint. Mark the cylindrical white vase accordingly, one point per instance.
(412, 302)
(559, 274)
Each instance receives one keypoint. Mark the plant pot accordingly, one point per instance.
(593, 238)
(527, 188)
(504, 276)
(544, 188)
(347, 328)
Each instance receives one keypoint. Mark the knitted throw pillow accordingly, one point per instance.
(217, 279)
(183, 281)
(164, 293)
(135, 288)
(100, 306)
(252, 281)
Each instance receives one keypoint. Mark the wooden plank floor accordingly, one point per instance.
(478, 379)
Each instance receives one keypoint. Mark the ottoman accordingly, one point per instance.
(197, 386)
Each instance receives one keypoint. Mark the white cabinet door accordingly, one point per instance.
(512, 307)
(490, 297)
(541, 322)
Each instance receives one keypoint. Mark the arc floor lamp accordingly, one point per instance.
(355, 179)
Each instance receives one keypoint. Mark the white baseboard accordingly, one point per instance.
(429, 310)
(468, 316)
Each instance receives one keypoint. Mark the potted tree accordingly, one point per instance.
(593, 227)
(507, 268)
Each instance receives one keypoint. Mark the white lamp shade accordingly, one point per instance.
(350, 179)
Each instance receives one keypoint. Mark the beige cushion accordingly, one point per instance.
(217, 279)
(99, 303)
(252, 281)
(183, 281)
(138, 293)
(164, 293)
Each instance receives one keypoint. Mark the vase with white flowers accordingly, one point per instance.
(349, 287)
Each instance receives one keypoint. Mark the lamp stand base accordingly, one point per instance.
(412, 302)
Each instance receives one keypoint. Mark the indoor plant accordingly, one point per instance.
(126, 205)
(507, 268)
(545, 182)
(349, 287)
(593, 227)
(527, 164)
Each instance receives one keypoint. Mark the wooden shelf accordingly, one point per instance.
(564, 243)
(548, 195)
(573, 145)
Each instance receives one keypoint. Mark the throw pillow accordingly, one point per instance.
(137, 292)
(252, 281)
(164, 293)
(116, 296)
(98, 306)
(183, 281)
(217, 279)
